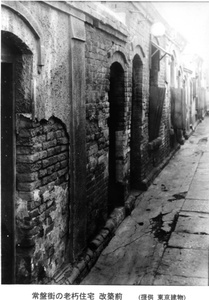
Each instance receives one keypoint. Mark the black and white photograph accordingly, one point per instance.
(105, 149)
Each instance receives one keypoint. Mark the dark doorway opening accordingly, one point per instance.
(136, 123)
(116, 129)
(7, 174)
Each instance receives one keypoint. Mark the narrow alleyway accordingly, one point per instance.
(165, 239)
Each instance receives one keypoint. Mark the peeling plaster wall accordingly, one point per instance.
(12, 23)
(15, 32)
(23, 80)
(52, 85)
(50, 89)
(49, 72)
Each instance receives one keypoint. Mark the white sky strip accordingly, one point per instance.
(191, 19)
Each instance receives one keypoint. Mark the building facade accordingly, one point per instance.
(88, 117)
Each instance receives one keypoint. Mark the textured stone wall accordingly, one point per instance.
(42, 198)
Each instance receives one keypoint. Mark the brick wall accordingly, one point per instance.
(100, 47)
(102, 50)
(97, 136)
(137, 122)
(140, 36)
(42, 198)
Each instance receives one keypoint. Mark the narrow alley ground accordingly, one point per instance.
(165, 240)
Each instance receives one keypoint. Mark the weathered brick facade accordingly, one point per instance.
(42, 198)
(97, 117)
(82, 83)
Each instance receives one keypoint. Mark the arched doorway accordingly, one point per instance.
(7, 163)
(12, 51)
(116, 129)
(136, 122)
